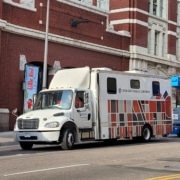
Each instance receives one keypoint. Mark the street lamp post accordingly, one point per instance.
(46, 48)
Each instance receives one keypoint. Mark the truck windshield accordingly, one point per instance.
(54, 99)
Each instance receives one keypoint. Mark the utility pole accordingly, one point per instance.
(46, 48)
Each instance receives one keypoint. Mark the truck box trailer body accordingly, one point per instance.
(83, 104)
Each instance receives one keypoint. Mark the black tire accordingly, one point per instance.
(110, 141)
(68, 140)
(26, 145)
(137, 139)
(178, 135)
(146, 133)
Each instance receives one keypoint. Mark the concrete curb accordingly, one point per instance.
(8, 143)
(7, 138)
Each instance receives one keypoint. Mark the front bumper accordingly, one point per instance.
(43, 137)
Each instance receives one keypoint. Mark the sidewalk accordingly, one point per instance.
(7, 138)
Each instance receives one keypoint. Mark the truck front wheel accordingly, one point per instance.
(26, 145)
(68, 140)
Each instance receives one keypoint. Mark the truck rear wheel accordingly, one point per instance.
(146, 133)
(68, 140)
(26, 145)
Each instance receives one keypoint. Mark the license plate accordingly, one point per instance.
(27, 135)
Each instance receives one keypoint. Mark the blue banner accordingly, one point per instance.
(31, 85)
(175, 81)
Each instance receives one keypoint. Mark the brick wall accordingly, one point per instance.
(139, 32)
(172, 11)
(60, 18)
(13, 45)
(1, 5)
(172, 16)
(12, 95)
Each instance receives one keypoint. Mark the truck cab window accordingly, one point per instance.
(54, 99)
(79, 99)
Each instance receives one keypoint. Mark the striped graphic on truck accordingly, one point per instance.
(127, 117)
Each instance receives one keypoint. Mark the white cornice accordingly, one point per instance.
(129, 21)
(4, 26)
(155, 59)
(172, 33)
(129, 9)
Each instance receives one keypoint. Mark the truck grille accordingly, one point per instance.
(28, 123)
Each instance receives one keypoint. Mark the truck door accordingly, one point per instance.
(83, 110)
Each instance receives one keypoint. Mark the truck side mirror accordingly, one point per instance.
(34, 98)
(87, 106)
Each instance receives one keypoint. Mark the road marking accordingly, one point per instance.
(49, 169)
(168, 177)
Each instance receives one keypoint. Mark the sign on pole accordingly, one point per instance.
(31, 85)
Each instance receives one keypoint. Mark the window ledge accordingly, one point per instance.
(85, 6)
(110, 29)
(24, 6)
(158, 18)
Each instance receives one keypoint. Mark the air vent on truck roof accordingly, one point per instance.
(102, 68)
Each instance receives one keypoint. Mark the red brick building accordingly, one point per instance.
(141, 35)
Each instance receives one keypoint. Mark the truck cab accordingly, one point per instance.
(56, 113)
(62, 114)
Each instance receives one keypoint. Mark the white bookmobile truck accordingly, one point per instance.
(98, 104)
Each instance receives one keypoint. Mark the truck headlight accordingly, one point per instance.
(52, 125)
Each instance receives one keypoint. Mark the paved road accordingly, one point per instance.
(126, 160)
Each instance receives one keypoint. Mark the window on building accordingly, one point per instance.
(161, 8)
(154, 7)
(27, 4)
(149, 41)
(158, 8)
(111, 86)
(87, 1)
(134, 84)
(163, 44)
(156, 88)
(178, 48)
(157, 40)
(103, 4)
